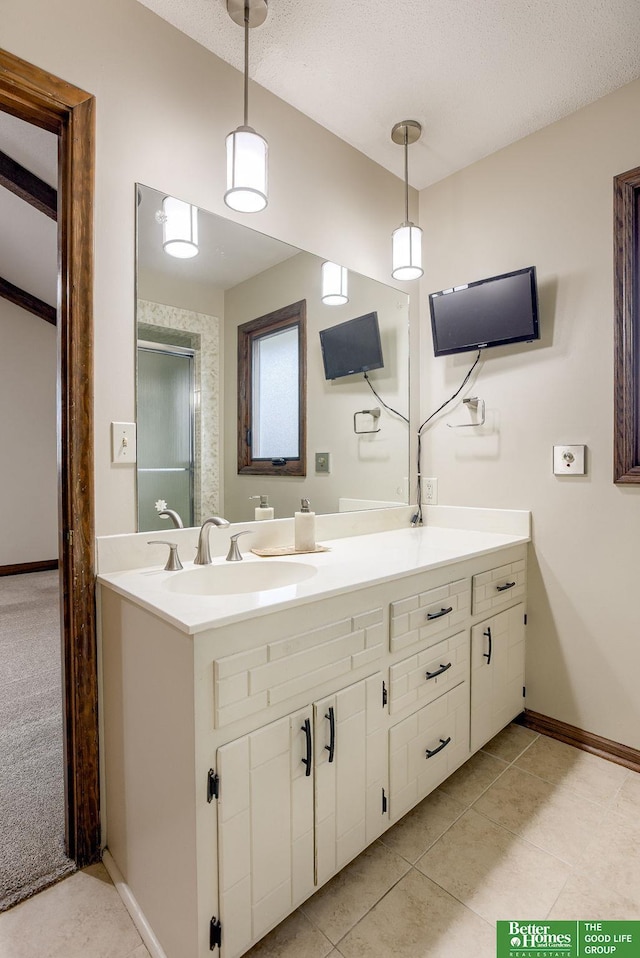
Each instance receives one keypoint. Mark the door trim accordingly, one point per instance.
(36, 96)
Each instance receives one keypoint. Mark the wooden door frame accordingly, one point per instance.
(36, 96)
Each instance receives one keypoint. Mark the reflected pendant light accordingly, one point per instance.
(247, 151)
(406, 241)
(334, 284)
(179, 228)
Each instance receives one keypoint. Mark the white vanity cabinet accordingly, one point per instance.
(497, 673)
(298, 799)
(246, 763)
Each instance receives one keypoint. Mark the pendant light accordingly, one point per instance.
(246, 150)
(334, 284)
(407, 239)
(179, 228)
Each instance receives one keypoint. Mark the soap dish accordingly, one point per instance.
(289, 551)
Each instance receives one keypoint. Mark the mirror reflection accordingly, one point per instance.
(193, 407)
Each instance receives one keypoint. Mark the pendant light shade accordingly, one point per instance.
(406, 252)
(247, 151)
(406, 240)
(179, 228)
(334, 284)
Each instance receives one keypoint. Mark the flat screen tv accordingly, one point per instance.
(351, 347)
(491, 312)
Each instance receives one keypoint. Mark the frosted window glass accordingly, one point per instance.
(275, 395)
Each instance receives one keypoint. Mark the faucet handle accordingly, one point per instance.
(234, 554)
(173, 561)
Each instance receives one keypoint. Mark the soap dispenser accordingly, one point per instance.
(304, 528)
(263, 510)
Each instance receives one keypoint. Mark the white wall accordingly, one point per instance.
(28, 491)
(547, 200)
(164, 107)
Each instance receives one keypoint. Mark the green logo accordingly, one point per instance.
(567, 939)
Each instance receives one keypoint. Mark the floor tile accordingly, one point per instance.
(343, 901)
(613, 857)
(554, 818)
(292, 938)
(627, 800)
(423, 825)
(416, 919)
(492, 871)
(79, 917)
(139, 952)
(584, 897)
(510, 742)
(587, 774)
(471, 779)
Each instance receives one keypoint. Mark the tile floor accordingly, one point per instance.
(527, 828)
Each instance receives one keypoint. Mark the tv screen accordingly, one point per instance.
(491, 312)
(351, 347)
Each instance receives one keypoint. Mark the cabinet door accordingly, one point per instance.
(265, 829)
(350, 773)
(497, 674)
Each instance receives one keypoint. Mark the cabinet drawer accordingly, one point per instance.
(247, 682)
(423, 677)
(426, 748)
(496, 588)
(427, 614)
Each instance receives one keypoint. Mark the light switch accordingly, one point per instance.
(123, 442)
(569, 460)
(322, 462)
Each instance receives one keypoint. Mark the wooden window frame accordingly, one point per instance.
(626, 445)
(279, 319)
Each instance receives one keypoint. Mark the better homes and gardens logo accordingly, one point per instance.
(568, 939)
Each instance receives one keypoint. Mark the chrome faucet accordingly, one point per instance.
(173, 515)
(203, 555)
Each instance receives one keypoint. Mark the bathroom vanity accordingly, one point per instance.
(256, 742)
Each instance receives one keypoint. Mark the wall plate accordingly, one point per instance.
(123, 442)
(323, 462)
(569, 460)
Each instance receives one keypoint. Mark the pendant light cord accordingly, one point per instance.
(246, 63)
(406, 174)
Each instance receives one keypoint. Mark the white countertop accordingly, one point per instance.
(352, 562)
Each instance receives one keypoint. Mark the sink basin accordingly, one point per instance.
(238, 577)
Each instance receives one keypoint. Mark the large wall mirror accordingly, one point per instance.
(190, 401)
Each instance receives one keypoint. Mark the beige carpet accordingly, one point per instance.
(31, 760)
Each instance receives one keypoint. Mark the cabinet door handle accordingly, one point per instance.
(443, 668)
(307, 760)
(331, 716)
(434, 751)
(503, 588)
(487, 655)
(438, 615)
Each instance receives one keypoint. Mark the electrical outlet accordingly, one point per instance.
(430, 492)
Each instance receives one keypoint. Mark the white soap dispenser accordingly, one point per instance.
(304, 528)
(264, 510)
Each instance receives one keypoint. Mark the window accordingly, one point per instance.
(626, 446)
(272, 393)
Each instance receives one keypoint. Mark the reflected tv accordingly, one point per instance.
(351, 347)
(490, 312)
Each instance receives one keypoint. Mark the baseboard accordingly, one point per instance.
(587, 741)
(46, 565)
(153, 946)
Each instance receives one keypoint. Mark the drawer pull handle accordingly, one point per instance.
(438, 615)
(443, 668)
(331, 716)
(487, 655)
(503, 588)
(306, 761)
(434, 751)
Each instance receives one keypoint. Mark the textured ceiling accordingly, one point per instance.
(478, 74)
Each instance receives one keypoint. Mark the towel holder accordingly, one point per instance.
(375, 413)
(473, 401)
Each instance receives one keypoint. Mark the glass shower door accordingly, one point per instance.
(165, 433)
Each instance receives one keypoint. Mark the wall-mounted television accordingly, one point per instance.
(351, 347)
(490, 312)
